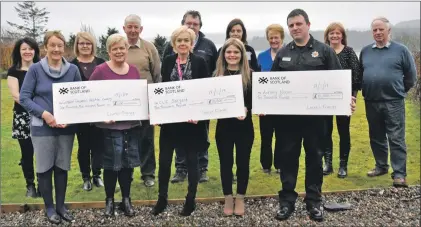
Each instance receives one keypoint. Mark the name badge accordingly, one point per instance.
(248, 55)
(286, 59)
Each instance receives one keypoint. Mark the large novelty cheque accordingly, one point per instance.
(100, 100)
(324, 92)
(198, 99)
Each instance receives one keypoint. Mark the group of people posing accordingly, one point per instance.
(385, 71)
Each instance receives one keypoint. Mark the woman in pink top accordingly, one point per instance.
(121, 138)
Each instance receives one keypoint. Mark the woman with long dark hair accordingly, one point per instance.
(25, 53)
(236, 29)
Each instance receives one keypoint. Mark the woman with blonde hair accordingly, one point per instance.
(335, 36)
(191, 136)
(88, 135)
(275, 35)
(121, 138)
(238, 131)
(53, 143)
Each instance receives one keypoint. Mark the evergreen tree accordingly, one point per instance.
(35, 20)
(102, 51)
(160, 43)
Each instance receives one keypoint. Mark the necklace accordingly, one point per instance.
(229, 71)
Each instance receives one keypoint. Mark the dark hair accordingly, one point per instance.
(234, 22)
(298, 12)
(16, 58)
(194, 14)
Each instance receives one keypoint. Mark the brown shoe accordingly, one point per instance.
(376, 172)
(229, 205)
(400, 183)
(239, 205)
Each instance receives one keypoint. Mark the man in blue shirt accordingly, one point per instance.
(388, 74)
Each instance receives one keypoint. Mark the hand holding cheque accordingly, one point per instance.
(274, 93)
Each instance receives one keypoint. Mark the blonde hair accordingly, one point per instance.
(177, 32)
(275, 28)
(116, 38)
(221, 63)
(85, 35)
(55, 33)
(333, 26)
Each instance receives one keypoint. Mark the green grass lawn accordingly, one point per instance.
(360, 161)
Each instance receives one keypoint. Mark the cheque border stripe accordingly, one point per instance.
(22, 208)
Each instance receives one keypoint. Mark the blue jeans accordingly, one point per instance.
(386, 122)
(180, 157)
(147, 151)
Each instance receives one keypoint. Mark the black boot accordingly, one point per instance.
(126, 207)
(109, 207)
(160, 205)
(343, 170)
(189, 207)
(328, 162)
(31, 191)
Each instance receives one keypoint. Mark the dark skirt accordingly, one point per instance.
(20, 125)
(121, 148)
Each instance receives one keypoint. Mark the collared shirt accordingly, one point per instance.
(375, 45)
(137, 44)
(315, 55)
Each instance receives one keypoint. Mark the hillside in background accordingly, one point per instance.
(356, 39)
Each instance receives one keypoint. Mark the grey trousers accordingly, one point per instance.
(386, 122)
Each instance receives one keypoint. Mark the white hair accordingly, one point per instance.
(382, 19)
(133, 18)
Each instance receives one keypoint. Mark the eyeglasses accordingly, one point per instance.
(84, 44)
(190, 24)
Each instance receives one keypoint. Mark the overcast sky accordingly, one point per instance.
(163, 17)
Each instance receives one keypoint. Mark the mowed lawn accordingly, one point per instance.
(361, 161)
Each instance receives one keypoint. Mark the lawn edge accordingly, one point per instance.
(22, 208)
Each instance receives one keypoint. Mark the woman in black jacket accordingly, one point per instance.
(190, 136)
(88, 135)
(238, 131)
(236, 29)
(335, 37)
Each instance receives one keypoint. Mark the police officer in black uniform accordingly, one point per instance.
(303, 53)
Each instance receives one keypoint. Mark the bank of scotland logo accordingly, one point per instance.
(158, 91)
(263, 80)
(63, 91)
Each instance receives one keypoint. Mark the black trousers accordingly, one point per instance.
(267, 128)
(342, 123)
(147, 151)
(166, 151)
(293, 131)
(242, 136)
(90, 151)
(27, 160)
